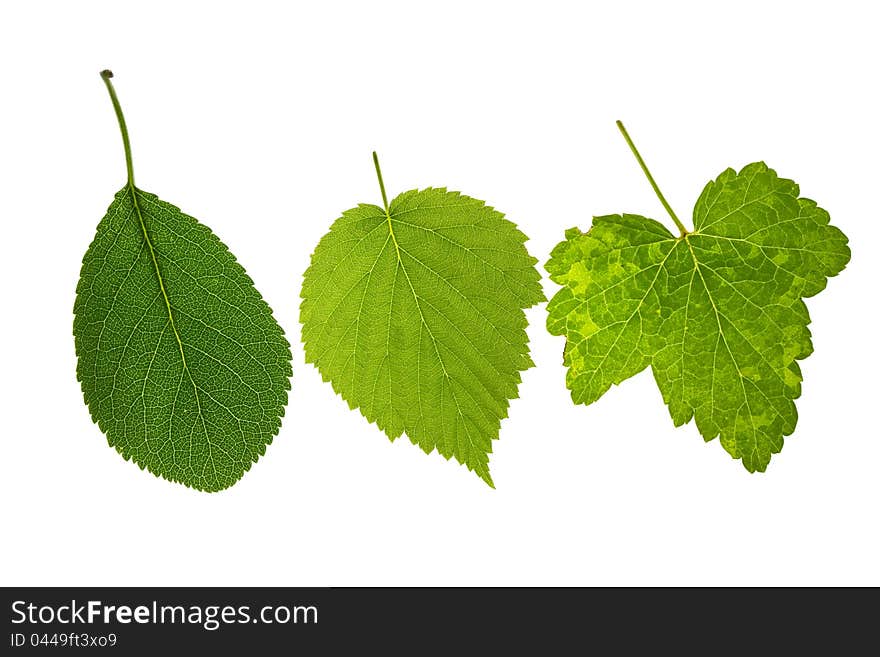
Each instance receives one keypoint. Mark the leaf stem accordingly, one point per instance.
(106, 75)
(387, 209)
(381, 183)
(650, 178)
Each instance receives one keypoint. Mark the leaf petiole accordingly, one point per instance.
(381, 182)
(657, 191)
(106, 74)
(385, 203)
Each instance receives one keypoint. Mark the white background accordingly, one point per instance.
(259, 119)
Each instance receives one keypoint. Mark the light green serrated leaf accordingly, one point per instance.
(414, 313)
(716, 312)
(181, 363)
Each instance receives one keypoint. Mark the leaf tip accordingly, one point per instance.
(487, 478)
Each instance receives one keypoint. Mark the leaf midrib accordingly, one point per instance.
(479, 468)
(723, 338)
(134, 198)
